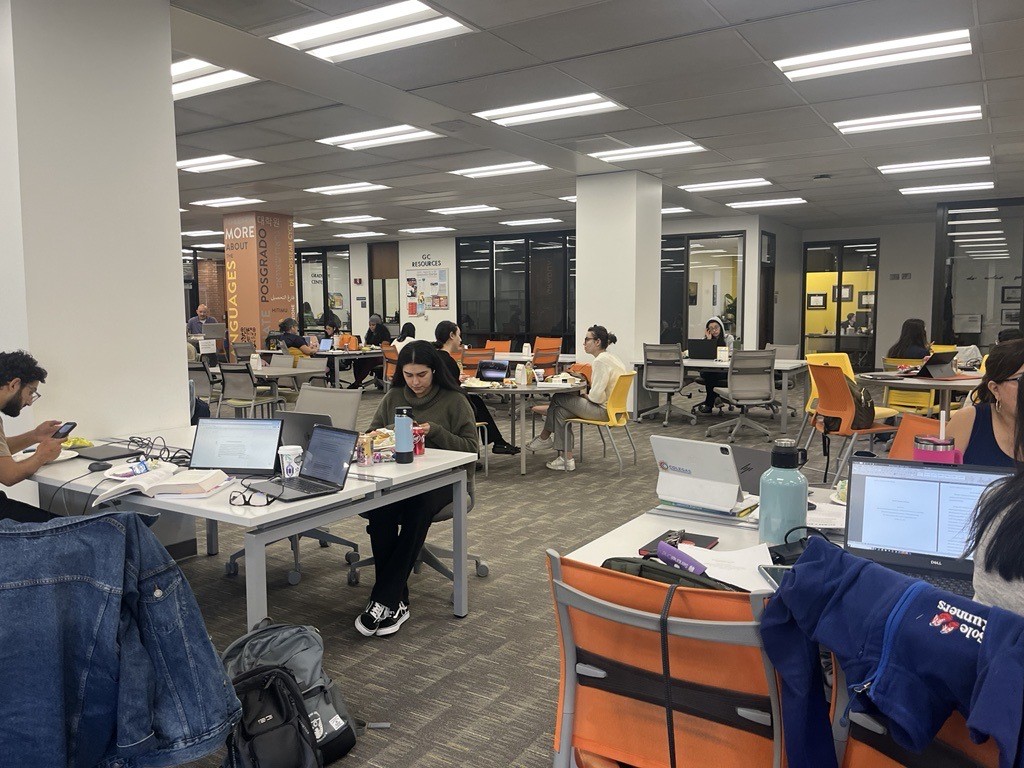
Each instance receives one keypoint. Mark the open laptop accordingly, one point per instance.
(214, 330)
(751, 463)
(938, 366)
(297, 427)
(243, 447)
(702, 349)
(700, 476)
(492, 370)
(915, 518)
(327, 344)
(325, 465)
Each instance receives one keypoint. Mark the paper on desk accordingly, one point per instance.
(735, 566)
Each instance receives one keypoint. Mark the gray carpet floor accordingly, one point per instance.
(479, 691)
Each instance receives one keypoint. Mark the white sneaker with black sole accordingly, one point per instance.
(370, 620)
(394, 621)
(541, 444)
(562, 464)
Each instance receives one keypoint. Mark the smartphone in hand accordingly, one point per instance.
(64, 430)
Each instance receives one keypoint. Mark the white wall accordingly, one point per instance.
(903, 249)
(789, 265)
(359, 264)
(432, 253)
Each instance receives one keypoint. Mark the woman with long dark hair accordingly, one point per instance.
(422, 382)
(407, 334)
(997, 530)
(913, 341)
(985, 432)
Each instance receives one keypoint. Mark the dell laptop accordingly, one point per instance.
(699, 476)
(702, 349)
(325, 466)
(915, 518)
(240, 447)
(298, 427)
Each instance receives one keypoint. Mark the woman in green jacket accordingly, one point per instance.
(397, 532)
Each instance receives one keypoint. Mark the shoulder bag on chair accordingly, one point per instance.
(864, 410)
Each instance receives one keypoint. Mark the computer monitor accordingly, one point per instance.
(237, 446)
(214, 330)
(863, 319)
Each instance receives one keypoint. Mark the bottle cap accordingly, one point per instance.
(403, 410)
(786, 455)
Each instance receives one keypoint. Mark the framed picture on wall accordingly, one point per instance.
(865, 299)
(1011, 294)
(1009, 317)
(816, 300)
(692, 294)
(845, 294)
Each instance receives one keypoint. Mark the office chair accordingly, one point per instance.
(664, 372)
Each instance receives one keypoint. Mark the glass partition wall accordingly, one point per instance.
(840, 281)
(317, 296)
(701, 277)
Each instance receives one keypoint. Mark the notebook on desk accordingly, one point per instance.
(914, 518)
(699, 476)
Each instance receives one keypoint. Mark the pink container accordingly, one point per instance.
(935, 450)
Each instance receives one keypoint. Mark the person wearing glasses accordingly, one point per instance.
(984, 432)
(20, 377)
(590, 405)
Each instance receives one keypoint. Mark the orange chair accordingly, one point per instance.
(725, 697)
(390, 362)
(840, 359)
(902, 448)
(546, 359)
(471, 359)
(834, 399)
(547, 342)
(498, 346)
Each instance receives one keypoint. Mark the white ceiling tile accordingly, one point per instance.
(236, 138)
(710, 83)
(738, 11)
(1008, 89)
(771, 120)
(244, 14)
(785, 148)
(999, 10)
(493, 13)
(254, 101)
(773, 97)
(817, 130)
(190, 122)
(1006, 35)
(587, 125)
(282, 153)
(316, 124)
(1004, 64)
(505, 90)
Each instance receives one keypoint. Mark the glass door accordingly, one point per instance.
(840, 283)
(701, 276)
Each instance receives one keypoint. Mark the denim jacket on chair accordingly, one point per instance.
(104, 656)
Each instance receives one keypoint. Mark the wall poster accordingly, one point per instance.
(426, 286)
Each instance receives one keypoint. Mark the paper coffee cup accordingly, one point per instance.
(291, 459)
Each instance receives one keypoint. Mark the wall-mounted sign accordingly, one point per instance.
(259, 271)
(425, 288)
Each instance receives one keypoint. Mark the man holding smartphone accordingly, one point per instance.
(20, 377)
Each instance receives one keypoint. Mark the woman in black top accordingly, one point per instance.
(376, 335)
(289, 328)
(714, 330)
(913, 341)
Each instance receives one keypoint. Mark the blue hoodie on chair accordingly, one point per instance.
(912, 654)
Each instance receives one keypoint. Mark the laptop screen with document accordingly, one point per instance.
(914, 515)
(329, 454)
(236, 446)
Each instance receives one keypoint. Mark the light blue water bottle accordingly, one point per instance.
(783, 493)
(403, 435)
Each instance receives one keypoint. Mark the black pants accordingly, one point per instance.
(20, 512)
(713, 379)
(361, 368)
(482, 413)
(397, 533)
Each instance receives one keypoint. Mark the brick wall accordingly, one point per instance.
(212, 291)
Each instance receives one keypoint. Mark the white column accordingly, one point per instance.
(618, 259)
(359, 265)
(92, 281)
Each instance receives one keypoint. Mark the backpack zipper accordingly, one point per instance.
(895, 615)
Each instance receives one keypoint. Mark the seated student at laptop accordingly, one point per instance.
(397, 532)
(714, 329)
(291, 340)
(913, 341)
(20, 377)
(984, 433)
(449, 342)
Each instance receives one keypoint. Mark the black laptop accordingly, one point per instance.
(702, 349)
(325, 465)
(298, 427)
(492, 370)
(938, 366)
(914, 518)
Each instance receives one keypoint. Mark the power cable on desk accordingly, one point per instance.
(60, 490)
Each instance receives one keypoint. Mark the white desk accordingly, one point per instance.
(944, 388)
(335, 355)
(522, 357)
(266, 525)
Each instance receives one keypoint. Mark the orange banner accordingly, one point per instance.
(259, 256)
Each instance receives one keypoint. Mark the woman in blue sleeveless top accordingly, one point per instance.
(985, 432)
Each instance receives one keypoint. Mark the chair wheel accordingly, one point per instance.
(231, 568)
(767, 438)
(708, 433)
(730, 439)
(324, 544)
(294, 577)
(353, 578)
(482, 570)
(351, 557)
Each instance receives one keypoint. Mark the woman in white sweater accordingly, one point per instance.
(592, 405)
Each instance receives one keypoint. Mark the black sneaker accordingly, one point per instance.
(370, 620)
(393, 621)
(505, 448)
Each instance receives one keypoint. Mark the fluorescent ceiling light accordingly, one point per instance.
(473, 261)
(681, 248)
(414, 34)
(942, 45)
(978, 232)
(331, 31)
(569, 199)
(934, 189)
(347, 189)
(464, 209)
(202, 232)
(552, 109)
(528, 222)
(990, 253)
(526, 166)
(396, 134)
(427, 230)
(909, 119)
(651, 150)
(214, 163)
(227, 202)
(979, 239)
(208, 245)
(182, 210)
(300, 225)
(989, 258)
(767, 203)
(715, 185)
(974, 221)
(298, 240)
(362, 234)
(666, 211)
(936, 165)
(820, 248)
(186, 250)
(972, 210)
(865, 250)
(193, 77)
(353, 219)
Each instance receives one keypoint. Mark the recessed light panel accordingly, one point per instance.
(768, 203)
(977, 232)
(909, 119)
(713, 186)
(464, 209)
(890, 53)
(427, 230)
(396, 134)
(569, 198)
(936, 165)
(960, 222)
(552, 109)
(353, 219)
(193, 77)
(347, 189)
(215, 163)
(505, 169)
(972, 210)
(529, 222)
(651, 150)
(227, 202)
(937, 188)
(362, 234)
(677, 209)
(202, 233)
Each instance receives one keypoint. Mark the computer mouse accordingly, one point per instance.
(99, 466)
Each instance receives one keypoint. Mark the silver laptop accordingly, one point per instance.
(243, 447)
(324, 469)
(915, 518)
(327, 344)
(751, 463)
(297, 427)
(699, 476)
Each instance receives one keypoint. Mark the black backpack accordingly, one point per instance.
(864, 410)
(274, 731)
